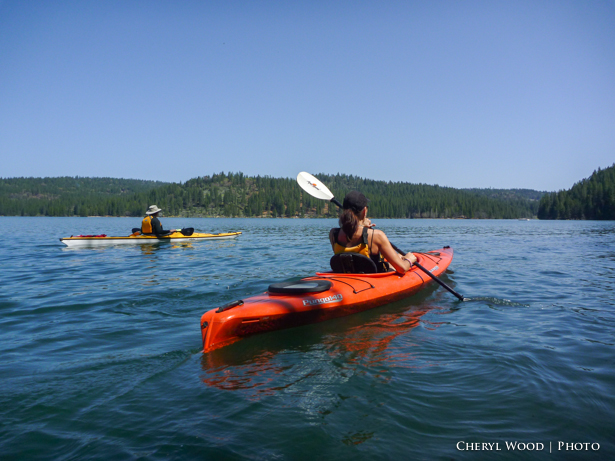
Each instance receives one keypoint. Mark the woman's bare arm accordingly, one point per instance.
(400, 263)
(332, 239)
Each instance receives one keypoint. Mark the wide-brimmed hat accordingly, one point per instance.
(153, 209)
(355, 200)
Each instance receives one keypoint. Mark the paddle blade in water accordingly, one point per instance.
(313, 186)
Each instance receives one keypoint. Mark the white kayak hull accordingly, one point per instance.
(141, 239)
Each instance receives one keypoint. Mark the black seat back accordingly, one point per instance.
(352, 263)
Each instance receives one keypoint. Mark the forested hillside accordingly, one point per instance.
(68, 196)
(406, 200)
(234, 194)
(508, 194)
(591, 198)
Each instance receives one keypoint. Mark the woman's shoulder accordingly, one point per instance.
(378, 234)
(333, 233)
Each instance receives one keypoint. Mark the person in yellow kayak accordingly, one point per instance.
(151, 224)
(356, 234)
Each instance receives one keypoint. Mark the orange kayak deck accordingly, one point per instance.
(339, 295)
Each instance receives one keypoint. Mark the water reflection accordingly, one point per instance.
(269, 363)
(148, 249)
(370, 344)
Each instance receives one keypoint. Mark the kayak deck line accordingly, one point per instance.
(326, 295)
(341, 279)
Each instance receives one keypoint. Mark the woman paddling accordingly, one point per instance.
(356, 235)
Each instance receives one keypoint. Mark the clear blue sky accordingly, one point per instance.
(503, 94)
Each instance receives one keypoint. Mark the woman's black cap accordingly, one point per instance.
(355, 200)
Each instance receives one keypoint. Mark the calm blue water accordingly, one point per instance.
(100, 349)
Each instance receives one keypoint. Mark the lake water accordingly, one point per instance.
(100, 349)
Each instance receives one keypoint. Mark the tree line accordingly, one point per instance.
(237, 195)
(72, 196)
(590, 198)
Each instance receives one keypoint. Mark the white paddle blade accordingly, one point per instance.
(313, 186)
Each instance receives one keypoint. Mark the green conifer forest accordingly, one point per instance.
(591, 198)
(68, 196)
(238, 195)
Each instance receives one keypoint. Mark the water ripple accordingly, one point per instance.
(100, 348)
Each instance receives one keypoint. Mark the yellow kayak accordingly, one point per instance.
(102, 239)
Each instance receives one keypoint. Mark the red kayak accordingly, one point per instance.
(314, 299)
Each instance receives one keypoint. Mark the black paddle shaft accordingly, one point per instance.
(334, 200)
(440, 282)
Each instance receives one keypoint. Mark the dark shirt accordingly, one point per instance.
(157, 227)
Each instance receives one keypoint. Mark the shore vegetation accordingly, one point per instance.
(237, 195)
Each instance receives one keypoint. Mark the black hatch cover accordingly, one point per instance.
(302, 286)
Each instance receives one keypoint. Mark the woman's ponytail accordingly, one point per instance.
(349, 222)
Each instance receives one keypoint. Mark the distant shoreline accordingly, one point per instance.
(271, 217)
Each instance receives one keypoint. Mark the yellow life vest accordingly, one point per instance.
(361, 248)
(146, 225)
